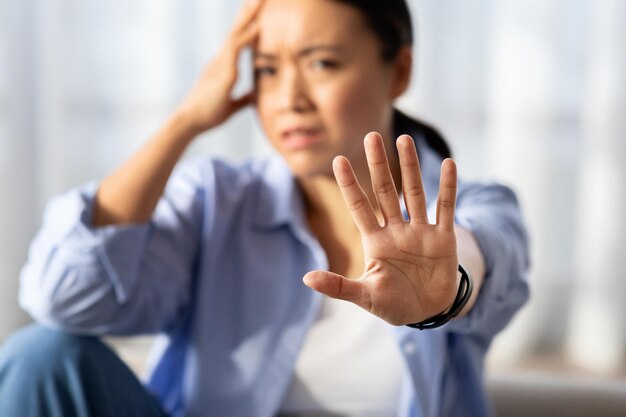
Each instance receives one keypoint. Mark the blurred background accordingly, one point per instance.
(529, 93)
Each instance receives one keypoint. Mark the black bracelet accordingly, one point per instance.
(462, 297)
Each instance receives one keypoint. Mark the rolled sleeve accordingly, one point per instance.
(113, 279)
(491, 213)
(118, 248)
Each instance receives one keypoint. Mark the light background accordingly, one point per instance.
(531, 93)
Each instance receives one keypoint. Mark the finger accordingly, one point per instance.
(382, 182)
(446, 201)
(233, 48)
(337, 286)
(354, 197)
(246, 36)
(412, 186)
(248, 13)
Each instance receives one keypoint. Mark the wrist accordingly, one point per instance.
(463, 295)
(182, 127)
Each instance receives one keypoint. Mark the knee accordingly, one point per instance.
(37, 351)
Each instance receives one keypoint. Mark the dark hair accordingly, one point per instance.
(405, 124)
(390, 20)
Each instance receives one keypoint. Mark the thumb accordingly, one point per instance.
(337, 286)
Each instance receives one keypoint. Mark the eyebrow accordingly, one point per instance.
(302, 53)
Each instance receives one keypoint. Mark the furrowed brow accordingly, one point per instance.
(302, 53)
(319, 48)
(264, 55)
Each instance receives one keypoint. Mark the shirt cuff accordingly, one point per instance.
(504, 289)
(119, 249)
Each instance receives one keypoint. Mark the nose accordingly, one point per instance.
(293, 93)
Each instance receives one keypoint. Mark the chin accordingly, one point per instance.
(306, 166)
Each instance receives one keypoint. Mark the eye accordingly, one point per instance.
(264, 71)
(324, 64)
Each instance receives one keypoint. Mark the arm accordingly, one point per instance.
(491, 214)
(472, 260)
(116, 279)
(130, 194)
(118, 258)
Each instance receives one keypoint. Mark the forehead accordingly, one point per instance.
(293, 23)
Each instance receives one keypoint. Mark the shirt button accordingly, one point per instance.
(409, 348)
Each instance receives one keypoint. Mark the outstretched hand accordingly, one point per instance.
(410, 266)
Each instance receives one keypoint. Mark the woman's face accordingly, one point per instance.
(321, 83)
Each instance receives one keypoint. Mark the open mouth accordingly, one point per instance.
(301, 138)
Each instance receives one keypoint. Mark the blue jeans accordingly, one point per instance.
(47, 373)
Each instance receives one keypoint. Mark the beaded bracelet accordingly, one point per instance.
(462, 297)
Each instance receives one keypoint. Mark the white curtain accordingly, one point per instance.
(528, 93)
(597, 327)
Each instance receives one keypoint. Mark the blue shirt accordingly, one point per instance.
(217, 272)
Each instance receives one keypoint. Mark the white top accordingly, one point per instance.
(350, 365)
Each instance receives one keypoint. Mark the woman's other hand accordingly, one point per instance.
(410, 266)
(130, 194)
(210, 101)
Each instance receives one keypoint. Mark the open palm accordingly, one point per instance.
(410, 266)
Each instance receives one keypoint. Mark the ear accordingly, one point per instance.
(402, 71)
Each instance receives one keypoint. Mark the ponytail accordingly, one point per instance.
(404, 124)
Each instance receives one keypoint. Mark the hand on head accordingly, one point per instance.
(210, 102)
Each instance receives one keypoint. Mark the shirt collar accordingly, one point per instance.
(279, 200)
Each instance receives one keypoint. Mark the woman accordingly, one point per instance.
(214, 260)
